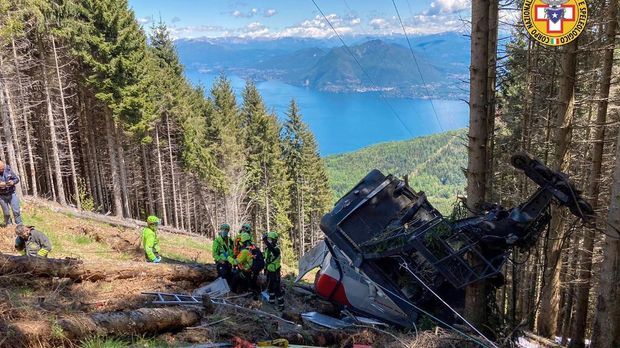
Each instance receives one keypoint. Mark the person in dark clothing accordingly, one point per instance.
(8, 198)
(31, 242)
(273, 269)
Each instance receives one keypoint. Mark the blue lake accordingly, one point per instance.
(344, 122)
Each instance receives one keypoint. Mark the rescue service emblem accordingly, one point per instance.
(554, 22)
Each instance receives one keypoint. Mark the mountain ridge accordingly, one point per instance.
(387, 63)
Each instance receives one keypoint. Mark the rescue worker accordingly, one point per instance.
(222, 249)
(245, 228)
(273, 269)
(150, 240)
(248, 264)
(8, 199)
(31, 242)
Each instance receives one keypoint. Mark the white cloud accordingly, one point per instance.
(145, 20)
(270, 12)
(449, 6)
(423, 23)
(198, 31)
(317, 27)
(251, 13)
(254, 30)
(254, 26)
(379, 23)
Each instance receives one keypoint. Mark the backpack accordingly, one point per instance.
(258, 260)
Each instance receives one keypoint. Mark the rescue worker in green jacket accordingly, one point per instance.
(222, 249)
(273, 269)
(248, 263)
(31, 242)
(150, 240)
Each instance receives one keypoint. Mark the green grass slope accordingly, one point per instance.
(434, 164)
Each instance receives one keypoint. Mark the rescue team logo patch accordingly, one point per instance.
(554, 22)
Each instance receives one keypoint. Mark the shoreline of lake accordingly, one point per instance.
(346, 122)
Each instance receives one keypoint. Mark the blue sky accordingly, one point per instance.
(300, 18)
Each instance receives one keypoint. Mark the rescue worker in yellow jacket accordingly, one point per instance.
(150, 240)
(273, 269)
(31, 242)
(222, 249)
(248, 263)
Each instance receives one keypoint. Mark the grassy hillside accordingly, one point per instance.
(434, 164)
(90, 240)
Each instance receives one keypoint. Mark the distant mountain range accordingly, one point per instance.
(324, 65)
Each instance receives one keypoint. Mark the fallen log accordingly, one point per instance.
(95, 271)
(545, 342)
(138, 322)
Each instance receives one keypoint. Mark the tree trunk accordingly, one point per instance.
(175, 212)
(562, 127)
(60, 192)
(11, 135)
(6, 126)
(606, 330)
(84, 146)
(74, 178)
(118, 142)
(113, 167)
(137, 322)
(568, 281)
(31, 160)
(594, 181)
(267, 193)
(162, 193)
(96, 271)
(476, 294)
(147, 181)
(491, 80)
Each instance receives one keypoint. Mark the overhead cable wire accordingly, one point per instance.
(362, 68)
(415, 60)
(421, 310)
(405, 265)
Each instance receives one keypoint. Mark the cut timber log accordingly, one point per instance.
(138, 322)
(545, 342)
(95, 271)
(142, 321)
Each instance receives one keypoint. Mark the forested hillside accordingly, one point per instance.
(97, 115)
(560, 104)
(434, 164)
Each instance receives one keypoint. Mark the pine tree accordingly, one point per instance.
(227, 144)
(310, 193)
(267, 177)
